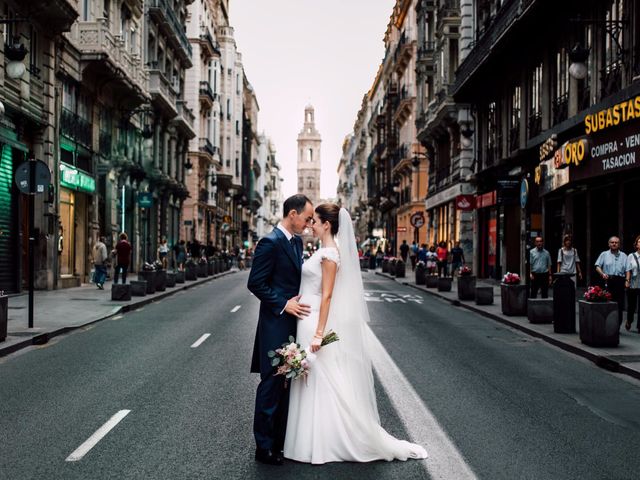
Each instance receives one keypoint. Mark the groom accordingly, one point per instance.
(275, 281)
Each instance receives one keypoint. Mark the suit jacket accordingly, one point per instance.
(274, 279)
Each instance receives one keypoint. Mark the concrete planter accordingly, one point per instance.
(466, 287)
(121, 292)
(400, 269)
(392, 267)
(385, 266)
(432, 281)
(138, 288)
(484, 295)
(161, 280)
(190, 271)
(540, 310)
(150, 278)
(444, 284)
(180, 276)
(514, 299)
(4, 316)
(421, 275)
(171, 279)
(203, 270)
(211, 269)
(599, 325)
(364, 264)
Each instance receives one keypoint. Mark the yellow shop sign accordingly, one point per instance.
(612, 116)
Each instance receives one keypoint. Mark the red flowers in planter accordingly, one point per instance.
(597, 294)
(464, 271)
(511, 279)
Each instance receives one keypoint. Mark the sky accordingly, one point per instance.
(322, 52)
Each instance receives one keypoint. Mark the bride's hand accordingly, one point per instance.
(315, 344)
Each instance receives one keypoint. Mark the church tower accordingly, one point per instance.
(309, 141)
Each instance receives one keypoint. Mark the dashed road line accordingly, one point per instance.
(236, 308)
(93, 440)
(200, 340)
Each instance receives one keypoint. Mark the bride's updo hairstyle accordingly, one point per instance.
(329, 212)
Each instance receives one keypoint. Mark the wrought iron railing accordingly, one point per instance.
(560, 108)
(534, 124)
(178, 29)
(611, 77)
(76, 128)
(514, 137)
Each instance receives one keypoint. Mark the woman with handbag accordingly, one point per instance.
(632, 283)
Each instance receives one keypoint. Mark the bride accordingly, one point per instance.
(333, 414)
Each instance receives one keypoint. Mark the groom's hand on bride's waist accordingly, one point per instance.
(297, 309)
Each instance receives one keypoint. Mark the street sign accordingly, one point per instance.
(417, 219)
(465, 203)
(402, 229)
(524, 192)
(145, 199)
(42, 177)
(225, 227)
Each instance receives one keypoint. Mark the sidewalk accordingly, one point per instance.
(60, 311)
(623, 359)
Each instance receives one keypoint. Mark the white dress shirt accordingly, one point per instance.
(286, 232)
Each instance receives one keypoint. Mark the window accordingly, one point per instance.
(69, 97)
(237, 127)
(535, 102)
(34, 64)
(310, 155)
(106, 11)
(493, 137)
(514, 127)
(561, 100)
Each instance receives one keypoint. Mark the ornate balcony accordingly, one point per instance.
(106, 55)
(57, 15)
(403, 53)
(164, 15)
(209, 46)
(162, 93)
(76, 128)
(405, 107)
(185, 120)
(207, 97)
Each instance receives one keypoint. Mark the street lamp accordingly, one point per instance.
(15, 53)
(188, 166)
(578, 57)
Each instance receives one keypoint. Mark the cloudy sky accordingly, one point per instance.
(323, 52)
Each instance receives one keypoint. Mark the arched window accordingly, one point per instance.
(310, 155)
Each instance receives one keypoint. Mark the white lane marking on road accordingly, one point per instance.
(236, 308)
(200, 340)
(444, 461)
(92, 441)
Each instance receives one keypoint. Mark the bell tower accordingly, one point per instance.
(309, 141)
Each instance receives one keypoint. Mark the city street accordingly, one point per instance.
(486, 401)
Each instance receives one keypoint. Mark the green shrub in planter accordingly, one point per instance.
(421, 273)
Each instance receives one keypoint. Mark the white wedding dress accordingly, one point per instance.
(333, 414)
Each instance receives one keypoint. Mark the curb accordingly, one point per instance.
(43, 338)
(599, 360)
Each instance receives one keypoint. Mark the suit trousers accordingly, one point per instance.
(615, 286)
(540, 282)
(633, 294)
(272, 408)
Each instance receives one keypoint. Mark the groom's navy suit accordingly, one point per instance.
(274, 279)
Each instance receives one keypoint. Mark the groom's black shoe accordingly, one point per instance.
(269, 457)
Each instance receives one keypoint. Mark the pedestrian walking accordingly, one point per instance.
(568, 258)
(241, 257)
(611, 266)
(540, 261)
(431, 259)
(457, 259)
(632, 283)
(181, 255)
(413, 254)
(123, 258)
(163, 252)
(443, 254)
(100, 257)
(423, 254)
(404, 251)
(379, 257)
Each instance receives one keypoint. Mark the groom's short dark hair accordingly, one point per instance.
(295, 202)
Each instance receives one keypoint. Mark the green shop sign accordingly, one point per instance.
(71, 177)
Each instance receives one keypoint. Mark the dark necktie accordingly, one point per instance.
(295, 247)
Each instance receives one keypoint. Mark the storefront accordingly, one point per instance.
(590, 185)
(11, 155)
(76, 198)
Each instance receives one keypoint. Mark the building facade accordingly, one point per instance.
(556, 139)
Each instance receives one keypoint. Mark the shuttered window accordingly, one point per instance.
(8, 224)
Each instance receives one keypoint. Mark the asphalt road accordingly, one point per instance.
(486, 401)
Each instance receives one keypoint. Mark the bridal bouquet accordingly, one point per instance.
(293, 361)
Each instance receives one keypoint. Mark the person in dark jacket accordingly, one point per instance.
(123, 258)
